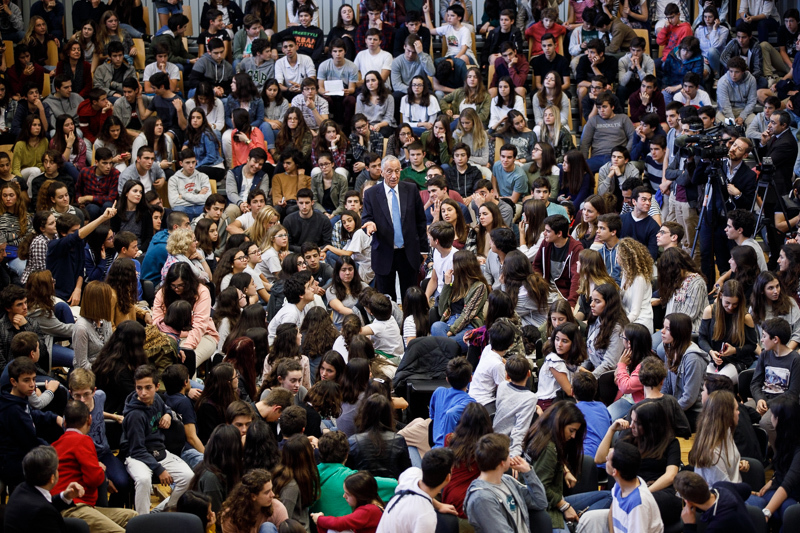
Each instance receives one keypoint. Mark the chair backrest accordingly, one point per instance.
(9, 53)
(643, 33)
(187, 10)
(139, 58)
(46, 86)
(791, 519)
(165, 523)
(146, 17)
(588, 480)
(745, 378)
(763, 439)
(52, 54)
(755, 474)
(790, 524)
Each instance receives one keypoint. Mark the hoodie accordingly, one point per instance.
(729, 512)
(568, 282)
(489, 509)
(19, 433)
(141, 437)
(217, 74)
(156, 257)
(185, 190)
(687, 383)
(258, 73)
(104, 76)
(331, 479)
(732, 95)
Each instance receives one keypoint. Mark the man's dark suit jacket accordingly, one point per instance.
(721, 203)
(28, 510)
(783, 152)
(415, 238)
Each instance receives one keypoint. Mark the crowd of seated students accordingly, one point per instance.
(192, 274)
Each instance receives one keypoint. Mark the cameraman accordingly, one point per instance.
(778, 143)
(740, 187)
(678, 181)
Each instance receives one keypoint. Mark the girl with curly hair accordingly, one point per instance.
(728, 333)
(251, 503)
(681, 285)
(606, 321)
(318, 336)
(325, 398)
(266, 218)
(286, 345)
(591, 273)
(182, 248)
(636, 265)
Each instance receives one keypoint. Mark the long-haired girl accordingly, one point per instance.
(376, 103)
(506, 100)
(592, 273)
(67, 143)
(769, 300)
(361, 493)
(419, 107)
(438, 142)
(489, 218)
(416, 320)
(473, 95)
(586, 230)
(344, 291)
(202, 139)
(359, 247)
(686, 365)
(294, 133)
(727, 332)
(606, 322)
(551, 95)
(681, 285)
(576, 180)
(636, 264)
(470, 131)
(569, 352)
(554, 132)
(221, 389)
(714, 454)
(115, 137)
(152, 135)
(637, 345)
(286, 345)
(531, 227)
(450, 211)
(529, 292)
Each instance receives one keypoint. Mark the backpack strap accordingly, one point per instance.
(399, 496)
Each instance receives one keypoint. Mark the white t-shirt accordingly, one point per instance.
(339, 346)
(246, 220)
(361, 246)
(456, 38)
(409, 329)
(442, 265)
(490, 372)
(288, 314)
(386, 337)
(172, 71)
(548, 386)
(638, 511)
(365, 62)
(256, 278)
(270, 262)
(702, 99)
(414, 512)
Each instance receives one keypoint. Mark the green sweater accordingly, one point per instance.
(551, 474)
(420, 179)
(444, 151)
(453, 102)
(240, 42)
(331, 477)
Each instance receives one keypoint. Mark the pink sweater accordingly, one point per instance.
(629, 383)
(202, 324)
(363, 520)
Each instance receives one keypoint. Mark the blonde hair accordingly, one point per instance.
(80, 379)
(593, 272)
(259, 230)
(479, 138)
(545, 134)
(179, 241)
(270, 239)
(634, 261)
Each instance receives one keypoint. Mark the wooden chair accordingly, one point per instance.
(146, 17)
(9, 53)
(641, 32)
(385, 145)
(213, 184)
(569, 118)
(187, 10)
(52, 54)
(46, 87)
(139, 58)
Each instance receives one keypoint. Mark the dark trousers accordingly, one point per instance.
(342, 110)
(402, 268)
(117, 473)
(714, 247)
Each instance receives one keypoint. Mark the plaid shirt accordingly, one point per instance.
(387, 15)
(375, 144)
(37, 257)
(102, 188)
(387, 35)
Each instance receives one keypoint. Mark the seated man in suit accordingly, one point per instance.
(31, 507)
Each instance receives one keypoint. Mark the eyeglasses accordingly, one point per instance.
(177, 286)
(281, 235)
(417, 85)
(257, 252)
(240, 258)
(322, 164)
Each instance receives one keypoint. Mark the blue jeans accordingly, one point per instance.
(267, 527)
(72, 170)
(16, 37)
(598, 161)
(667, 97)
(63, 313)
(95, 210)
(761, 503)
(440, 329)
(416, 458)
(133, 32)
(62, 356)
(619, 408)
(269, 134)
(595, 501)
(191, 457)
(193, 211)
(713, 60)
(171, 10)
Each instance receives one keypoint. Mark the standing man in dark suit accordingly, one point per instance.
(393, 215)
(31, 507)
(739, 182)
(778, 143)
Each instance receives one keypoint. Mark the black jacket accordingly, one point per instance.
(28, 510)
(722, 202)
(493, 42)
(234, 13)
(425, 358)
(391, 462)
(729, 512)
(783, 152)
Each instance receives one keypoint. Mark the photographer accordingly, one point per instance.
(740, 187)
(778, 143)
(678, 181)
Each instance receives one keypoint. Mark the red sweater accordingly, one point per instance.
(77, 461)
(569, 281)
(91, 120)
(538, 30)
(363, 520)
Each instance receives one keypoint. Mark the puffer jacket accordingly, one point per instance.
(425, 358)
(390, 462)
(675, 68)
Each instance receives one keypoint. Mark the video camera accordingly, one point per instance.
(709, 145)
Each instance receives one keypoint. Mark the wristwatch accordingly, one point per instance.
(767, 513)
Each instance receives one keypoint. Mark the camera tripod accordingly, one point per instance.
(715, 184)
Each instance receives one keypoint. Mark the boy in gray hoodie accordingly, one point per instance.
(737, 93)
(145, 417)
(213, 68)
(188, 189)
(496, 501)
